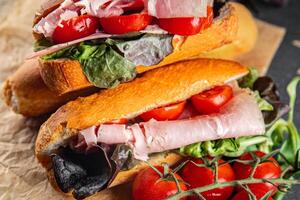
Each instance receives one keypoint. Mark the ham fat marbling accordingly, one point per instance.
(239, 117)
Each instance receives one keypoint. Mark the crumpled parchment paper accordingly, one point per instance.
(21, 177)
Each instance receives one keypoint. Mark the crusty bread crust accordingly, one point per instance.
(163, 86)
(26, 93)
(63, 76)
(245, 39)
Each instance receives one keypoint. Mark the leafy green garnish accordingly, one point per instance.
(248, 81)
(231, 147)
(262, 103)
(211, 148)
(105, 68)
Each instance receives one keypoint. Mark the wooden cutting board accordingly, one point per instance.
(269, 39)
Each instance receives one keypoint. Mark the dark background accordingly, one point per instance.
(287, 60)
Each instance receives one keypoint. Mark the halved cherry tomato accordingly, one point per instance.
(118, 121)
(264, 170)
(148, 185)
(75, 28)
(171, 112)
(212, 100)
(186, 25)
(200, 176)
(243, 195)
(125, 23)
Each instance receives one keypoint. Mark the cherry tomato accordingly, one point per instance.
(118, 121)
(200, 176)
(75, 28)
(125, 23)
(243, 195)
(148, 186)
(264, 170)
(212, 100)
(186, 25)
(188, 112)
(171, 112)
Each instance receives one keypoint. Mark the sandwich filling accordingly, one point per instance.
(110, 38)
(224, 120)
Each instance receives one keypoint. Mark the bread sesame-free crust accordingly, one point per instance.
(63, 75)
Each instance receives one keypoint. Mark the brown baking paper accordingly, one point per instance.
(21, 177)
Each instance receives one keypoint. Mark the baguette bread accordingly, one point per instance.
(63, 75)
(26, 93)
(163, 86)
(245, 39)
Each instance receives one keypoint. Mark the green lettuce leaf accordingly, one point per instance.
(41, 44)
(231, 147)
(211, 148)
(248, 81)
(263, 104)
(102, 65)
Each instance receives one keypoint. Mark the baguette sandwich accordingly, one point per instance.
(119, 39)
(26, 93)
(94, 142)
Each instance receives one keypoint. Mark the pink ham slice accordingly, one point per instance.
(240, 117)
(177, 8)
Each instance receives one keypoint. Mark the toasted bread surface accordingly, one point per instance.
(63, 76)
(26, 93)
(245, 38)
(163, 86)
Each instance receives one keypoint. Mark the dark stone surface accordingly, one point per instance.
(287, 60)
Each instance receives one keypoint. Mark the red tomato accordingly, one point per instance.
(118, 121)
(212, 100)
(125, 23)
(243, 195)
(171, 112)
(186, 25)
(263, 171)
(147, 186)
(200, 176)
(75, 28)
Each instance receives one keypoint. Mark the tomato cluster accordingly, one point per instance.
(135, 20)
(206, 102)
(149, 185)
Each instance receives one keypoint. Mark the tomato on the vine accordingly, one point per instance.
(186, 25)
(244, 195)
(200, 176)
(264, 170)
(148, 185)
(212, 100)
(125, 23)
(75, 28)
(170, 112)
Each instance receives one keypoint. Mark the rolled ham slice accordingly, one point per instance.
(239, 117)
(177, 8)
